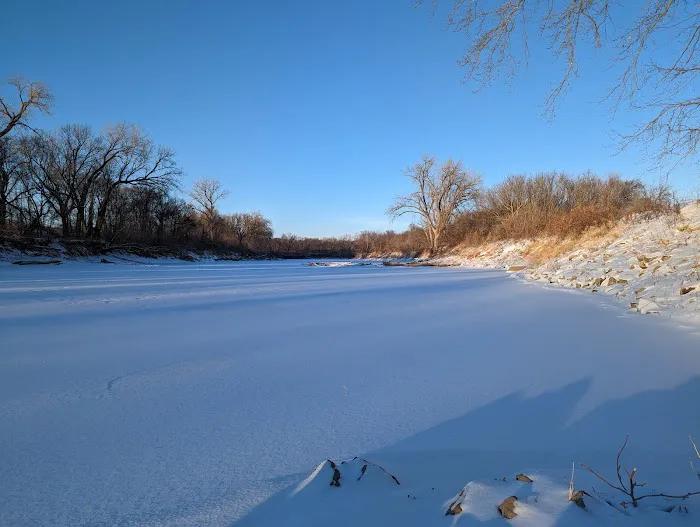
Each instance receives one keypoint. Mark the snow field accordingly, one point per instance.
(203, 394)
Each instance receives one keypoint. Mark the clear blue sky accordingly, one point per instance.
(307, 110)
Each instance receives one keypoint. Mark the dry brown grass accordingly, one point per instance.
(537, 250)
(543, 249)
(556, 204)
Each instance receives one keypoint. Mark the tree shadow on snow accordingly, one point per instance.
(514, 433)
(210, 299)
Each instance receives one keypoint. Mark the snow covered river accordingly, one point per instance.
(187, 393)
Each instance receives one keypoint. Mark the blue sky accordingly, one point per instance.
(307, 110)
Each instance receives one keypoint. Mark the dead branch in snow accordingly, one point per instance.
(629, 489)
(571, 481)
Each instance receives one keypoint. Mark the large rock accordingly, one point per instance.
(454, 509)
(353, 471)
(662, 270)
(335, 481)
(507, 508)
(578, 499)
(647, 307)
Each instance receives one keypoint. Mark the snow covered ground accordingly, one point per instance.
(207, 394)
(652, 266)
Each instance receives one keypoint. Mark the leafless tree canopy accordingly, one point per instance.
(248, 226)
(28, 97)
(75, 173)
(411, 242)
(663, 89)
(205, 195)
(440, 192)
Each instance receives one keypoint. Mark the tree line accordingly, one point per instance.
(451, 207)
(78, 183)
(117, 186)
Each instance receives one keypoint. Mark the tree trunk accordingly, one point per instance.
(436, 241)
(65, 223)
(102, 212)
(80, 220)
(3, 211)
(89, 227)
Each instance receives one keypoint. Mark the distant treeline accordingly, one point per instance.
(117, 186)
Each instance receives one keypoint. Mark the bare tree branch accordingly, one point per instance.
(663, 95)
(32, 96)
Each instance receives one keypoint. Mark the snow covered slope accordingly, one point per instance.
(205, 394)
(652, 266)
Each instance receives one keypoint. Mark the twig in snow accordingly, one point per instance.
(695, 447)
(629, 489)
(571, 481)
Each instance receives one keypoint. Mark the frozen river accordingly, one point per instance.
(186, 393)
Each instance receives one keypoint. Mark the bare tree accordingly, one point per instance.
(131, 159)
(10, 178)
(663, 90)
(77, 171)
(205, 195)
(81, 157)
(147, 215)
(440, 192)
(288, 241)
(236, 224)
(31, 96)
(44, 160)
(508, 198)
(249, 225)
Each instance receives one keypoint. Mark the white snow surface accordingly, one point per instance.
(206, 393)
